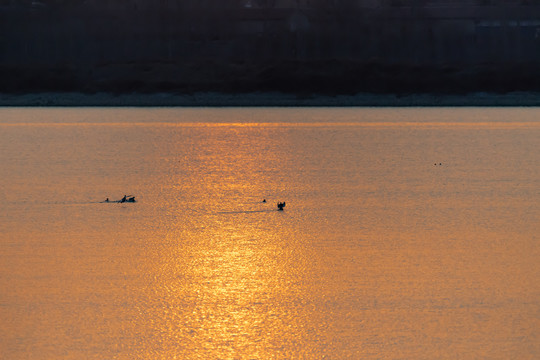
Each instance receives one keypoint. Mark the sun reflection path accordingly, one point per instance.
(236, 283)
(238, 294)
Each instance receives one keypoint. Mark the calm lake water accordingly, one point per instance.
(408, 233)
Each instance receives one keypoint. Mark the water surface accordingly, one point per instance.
(408, 233)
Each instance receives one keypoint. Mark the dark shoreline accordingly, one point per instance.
(265, 99)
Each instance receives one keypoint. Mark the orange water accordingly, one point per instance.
(380, 253)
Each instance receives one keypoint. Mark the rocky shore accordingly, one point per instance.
(214, 99)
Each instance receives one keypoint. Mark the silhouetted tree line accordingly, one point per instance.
(324, 46)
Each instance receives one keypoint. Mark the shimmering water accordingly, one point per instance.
(407, 234)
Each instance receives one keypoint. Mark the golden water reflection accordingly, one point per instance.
(231, 289)
(234, 290)
(378, 254)
(243, 288)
